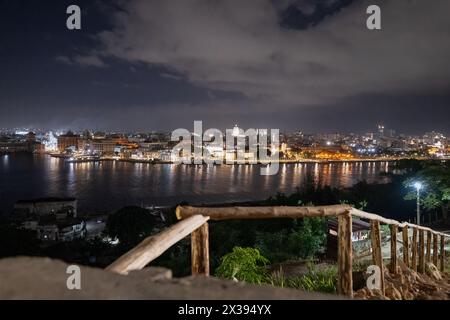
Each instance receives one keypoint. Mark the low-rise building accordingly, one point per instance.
(45, 206)
(53, 219)
(21, 143)
(53, 229)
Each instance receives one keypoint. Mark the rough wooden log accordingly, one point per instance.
(200, 251)
(227, 213)
(372, 216)
(423, 228)
(414, 250)
(375, 237)
(435, 250)
(428, 256)
(421, 266)
(442, 255)
(405, 236)
(153, 246)
(393, 265)
(345, 255)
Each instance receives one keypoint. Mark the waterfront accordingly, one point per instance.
(109, 185)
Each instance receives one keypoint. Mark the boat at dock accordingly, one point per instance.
(82, 159)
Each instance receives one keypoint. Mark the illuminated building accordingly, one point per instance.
(68, 140)
(381, 130)
(25, 143)
(51, 142)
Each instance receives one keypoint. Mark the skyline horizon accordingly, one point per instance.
(66, 129)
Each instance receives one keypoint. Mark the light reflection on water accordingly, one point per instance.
(112, 184)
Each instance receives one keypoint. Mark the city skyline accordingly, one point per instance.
(24, 130)
(292, 65)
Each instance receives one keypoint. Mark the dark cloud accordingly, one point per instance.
(288, 64)
(229, 46)
(303, 14)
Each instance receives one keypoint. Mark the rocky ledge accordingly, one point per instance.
(43, 278)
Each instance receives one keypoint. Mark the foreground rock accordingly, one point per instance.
(43, 278)
(410, 285)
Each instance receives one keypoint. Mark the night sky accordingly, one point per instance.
(289, 64)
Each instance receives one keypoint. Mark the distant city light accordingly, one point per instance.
(236, 131)
(51, 143)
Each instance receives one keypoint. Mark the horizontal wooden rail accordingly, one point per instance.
(228, 213)
(270, 212)
(152, 247)
(371, 216)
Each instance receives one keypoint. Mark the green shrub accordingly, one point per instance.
(243, 264)
(315, 280)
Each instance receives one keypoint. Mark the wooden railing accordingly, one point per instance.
(154, 246)
(194, 221)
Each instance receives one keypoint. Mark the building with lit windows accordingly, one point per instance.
(68, 140)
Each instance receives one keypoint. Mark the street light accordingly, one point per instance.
(418, 186)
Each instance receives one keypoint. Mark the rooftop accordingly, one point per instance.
(43, 200)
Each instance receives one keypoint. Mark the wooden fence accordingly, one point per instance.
(194, 221)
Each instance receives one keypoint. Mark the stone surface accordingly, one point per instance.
(152, 274)
(43, 278)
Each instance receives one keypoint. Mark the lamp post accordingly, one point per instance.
(418, 186)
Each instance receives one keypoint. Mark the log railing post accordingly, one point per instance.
(435, 250)
(421, 266)
(442, 256)
(393, 264)
(345, 255)
(414, 250)
(428, 257)
(405, 245)
(375, 237)
(200, 251)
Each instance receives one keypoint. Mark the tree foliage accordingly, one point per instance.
(304, 240)
(130, 225)
(435, 178)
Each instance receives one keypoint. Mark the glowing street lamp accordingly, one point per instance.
(418, 186)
